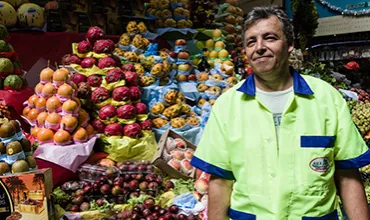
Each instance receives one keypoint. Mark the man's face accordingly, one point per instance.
(266, 48)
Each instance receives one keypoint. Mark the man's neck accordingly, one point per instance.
(274, 81)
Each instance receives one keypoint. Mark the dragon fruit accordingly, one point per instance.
(114, 75)
(112, 47)
(113, 129)
(117, 59)
(135, 93)
(77, 78)
(98, 126)
(132, 130)
(131, 78)
(141, 108)
(88, 62)
(94, 80)
(121, 93)
(70, 59)
(127, 111)
(84, 47)
(128, 67)
(107, 112)
(106, 62)
(84, 90)
(146, 125)
(99, 95)
(103, 46)
(94, 33)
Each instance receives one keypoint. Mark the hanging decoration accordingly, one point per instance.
(362, 12)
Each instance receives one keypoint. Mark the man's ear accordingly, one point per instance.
(290, 48)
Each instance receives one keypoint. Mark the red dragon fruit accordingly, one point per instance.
(111, 46)
(99, 95)
(113, 129)
(77, 78)
(135, 93)
(146, 125)
(132, 130)
(94, 33)
(94, 80)
(106, 62)
(114, 75)
(121, 93)
(131, 78)
(98, 126)
(107, 112)
(127, 111)
(84, 90)
(117, 59)
(128, 67)
(70, 59)
(88, 62)
(84, 47)
(141, 108)
(103, 46)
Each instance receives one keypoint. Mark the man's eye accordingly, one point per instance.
(250, 43)
(271, 38)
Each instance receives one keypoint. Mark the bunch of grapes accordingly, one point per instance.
(351, 104)
(361, 116)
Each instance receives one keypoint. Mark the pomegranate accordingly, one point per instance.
(113, 129)
(132, 130)
(106, 62)
(80, 135)
(53, 104)
(94, 80)
(48, 90)
(62, 137)
(141, 108)
(131, 78)
(45, 135)
(77, 78)
(70, 59)
(114, 75)
(107, 112)
(121, 93)
(84, 47)
(128, 67)
(146, 125)
(98, 126)
(94, 33)
(88, 62)
(103, 46)
(135, 93)
(99, 95)
(127, 111)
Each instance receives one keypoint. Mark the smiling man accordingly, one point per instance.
(279, 145)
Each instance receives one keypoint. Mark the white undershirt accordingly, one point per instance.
(275, 102)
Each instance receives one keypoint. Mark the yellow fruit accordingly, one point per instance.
(219, 44)
(209, 43)
(213, 54)
(216, 33)
(184, 67)
(223, 54)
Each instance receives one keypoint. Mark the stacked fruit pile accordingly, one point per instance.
(93, 54)
(28, 15)
(173, 112)
(203, 14)
(172, 13)
(15, 148)
(55, 110)
(231, 19)
(178, 155)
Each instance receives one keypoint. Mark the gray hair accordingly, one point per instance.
(264, 12)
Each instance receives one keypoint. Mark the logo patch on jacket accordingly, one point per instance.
(320, 164)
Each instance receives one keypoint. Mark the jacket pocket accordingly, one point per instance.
(318, 141)
(331, 216)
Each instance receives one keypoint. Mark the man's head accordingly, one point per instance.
(268, 39)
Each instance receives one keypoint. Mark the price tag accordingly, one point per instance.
(186, 87)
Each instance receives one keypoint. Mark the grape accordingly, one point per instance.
(361, 117)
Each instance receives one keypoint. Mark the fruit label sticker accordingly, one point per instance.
(6, 203)
(31, 10)
(1, 5)
(320, 164)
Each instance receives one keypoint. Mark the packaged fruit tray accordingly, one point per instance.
(92, 172)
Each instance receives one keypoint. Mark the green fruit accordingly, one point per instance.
(8, 16)
(13, 82)
(31, 15)
(24, 81)
(4, 168)
(4, 46)
(3, 31)
(6, 66)
(20, 166)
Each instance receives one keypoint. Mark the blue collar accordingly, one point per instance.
(300, 85)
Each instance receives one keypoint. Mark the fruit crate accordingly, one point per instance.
(92, 172)
(162, 160)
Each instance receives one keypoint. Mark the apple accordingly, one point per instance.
(183, 55)
(181, 78)
(172, 54)
(180, 42)
(184, 67)
(192, 77)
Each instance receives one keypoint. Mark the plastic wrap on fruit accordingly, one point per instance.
(10, 159)
(160, 123)
(188, 204)
(152, 50)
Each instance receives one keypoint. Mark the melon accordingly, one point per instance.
(8, 15)
(13, 82)
(4, 46)
(24, 80)
(3, 32)
(31, 15)
(16, 3)
(6, 66)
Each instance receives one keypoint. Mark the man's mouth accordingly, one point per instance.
(262, 58)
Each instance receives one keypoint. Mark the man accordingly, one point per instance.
(279, 144)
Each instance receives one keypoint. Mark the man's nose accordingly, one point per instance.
(260, 47)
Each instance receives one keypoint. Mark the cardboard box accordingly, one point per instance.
(161, 163)
(28, 195)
